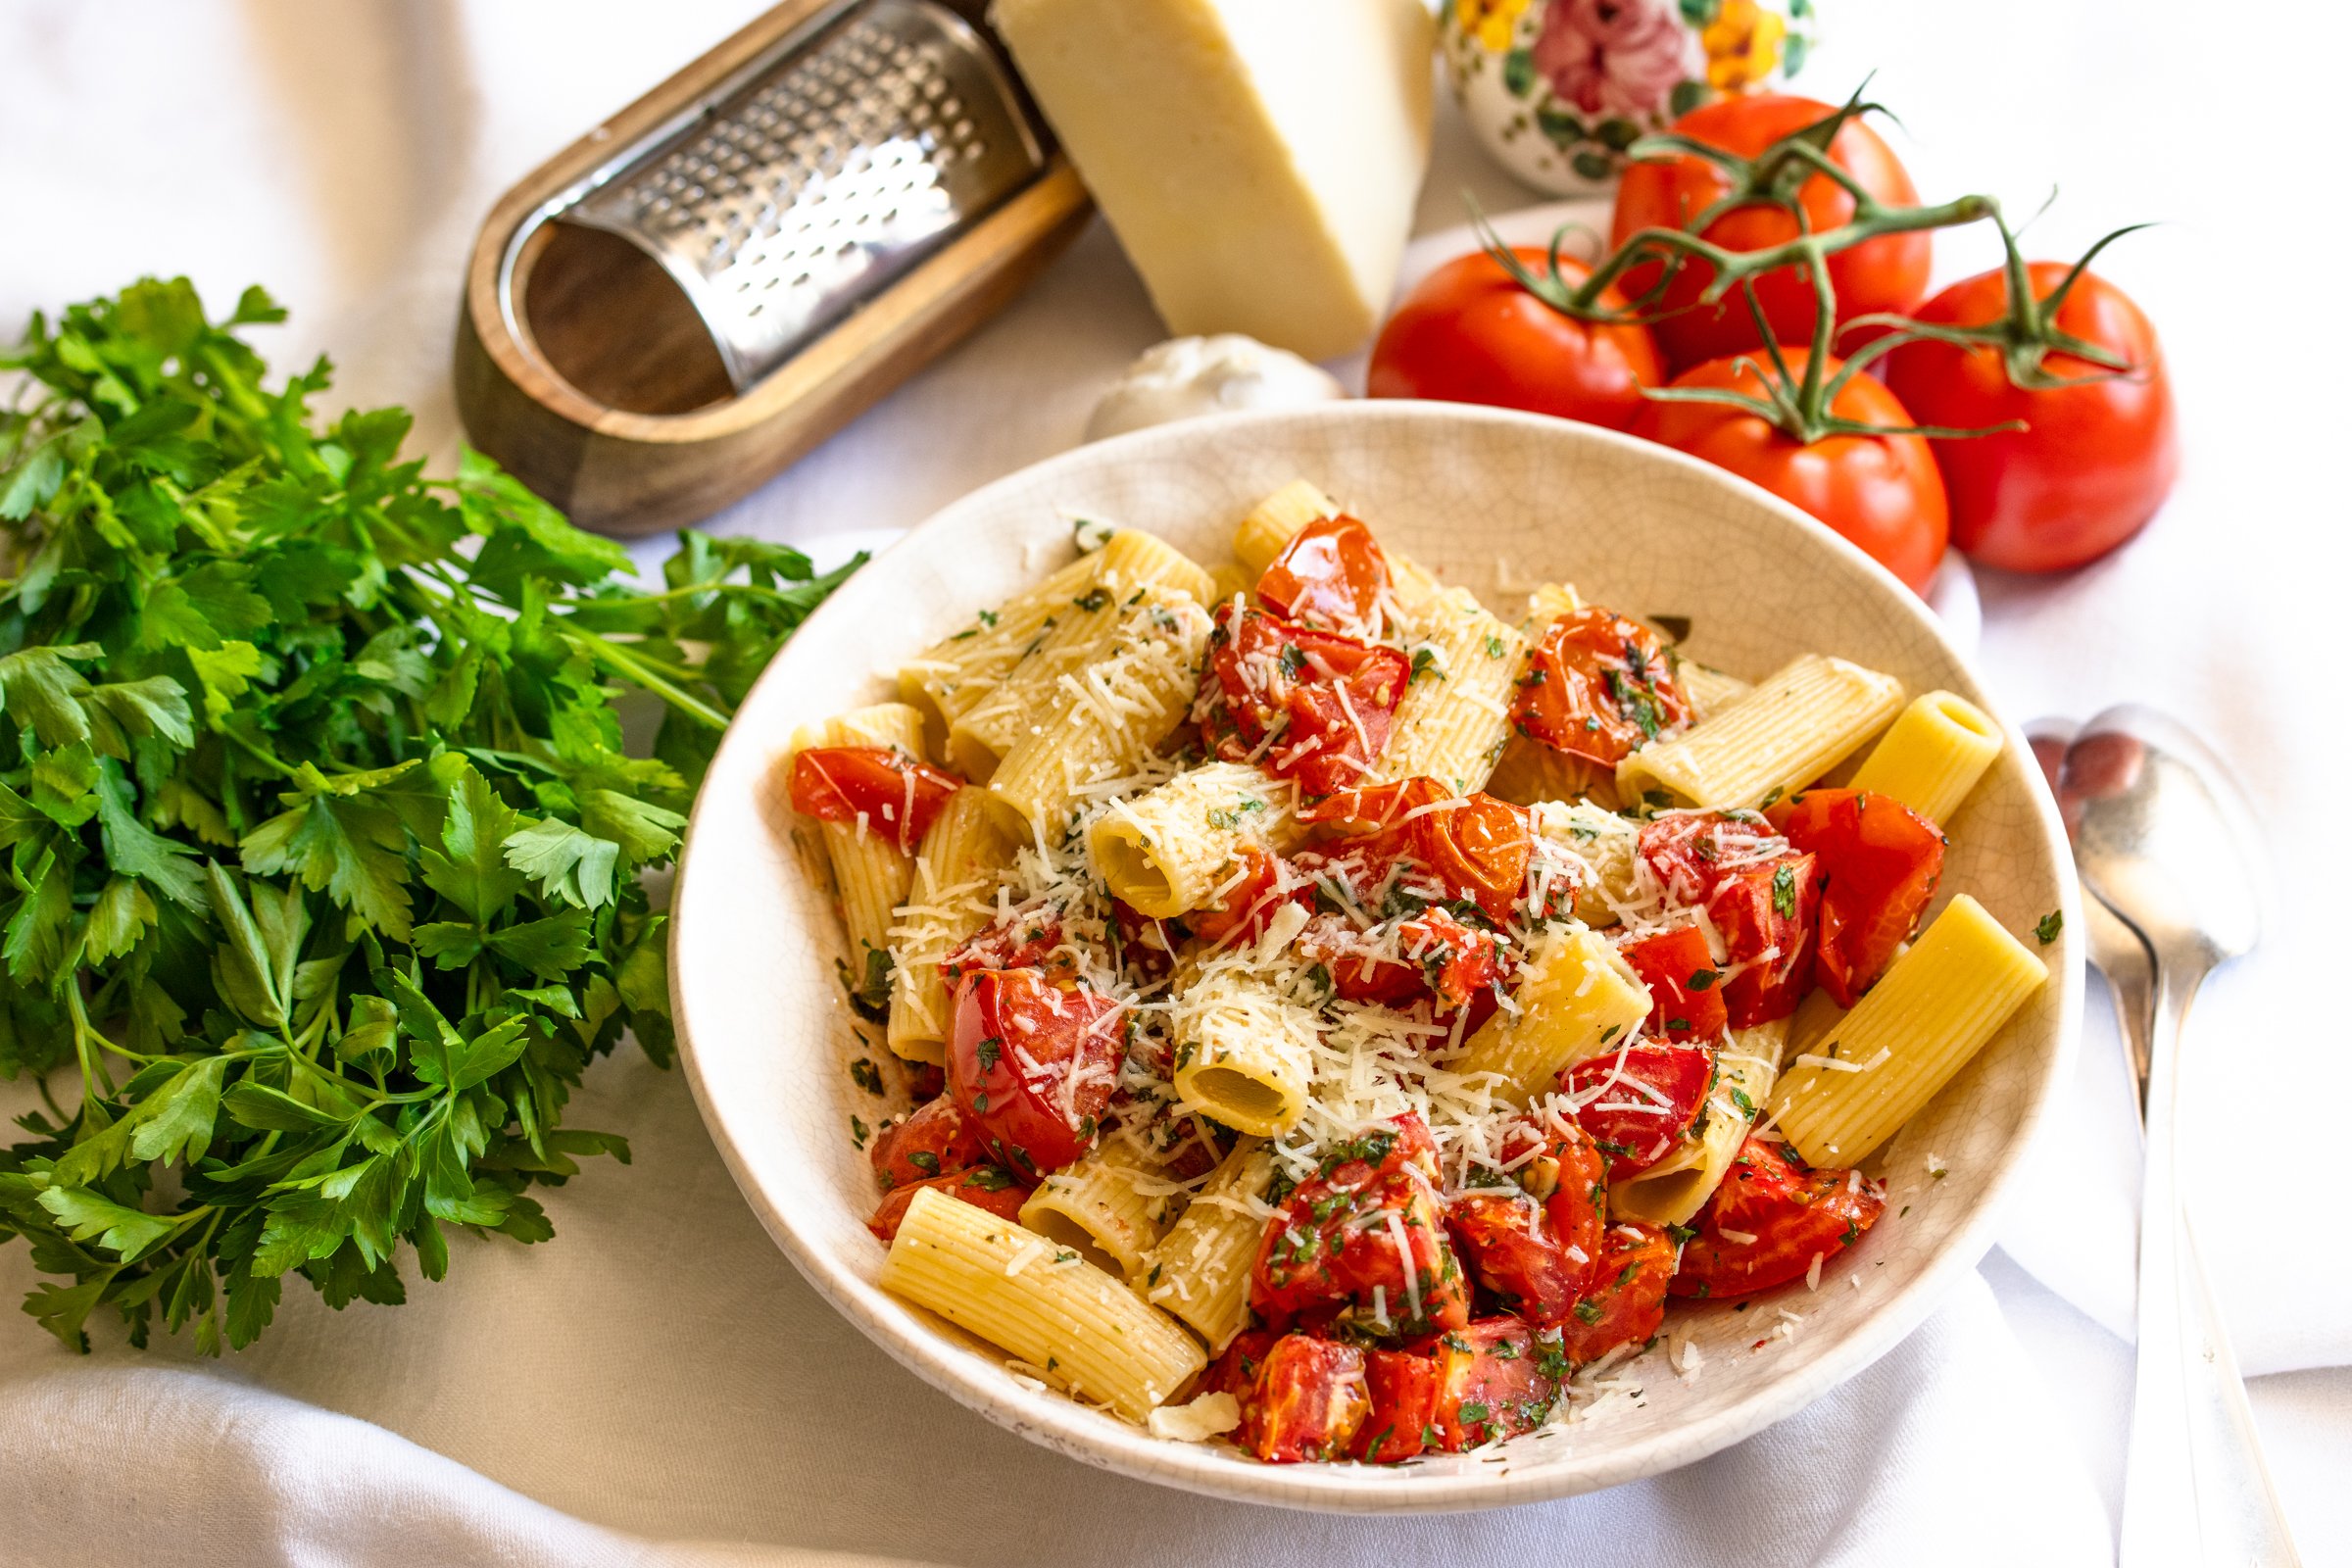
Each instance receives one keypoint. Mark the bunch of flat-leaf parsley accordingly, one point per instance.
(322, 847)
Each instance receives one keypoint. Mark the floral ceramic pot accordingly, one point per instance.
(1557, 89)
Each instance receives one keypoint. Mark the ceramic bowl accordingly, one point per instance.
(1492, 500)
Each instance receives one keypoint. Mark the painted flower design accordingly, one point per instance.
(1490, 22)
(1743, 45)
(1622, 57)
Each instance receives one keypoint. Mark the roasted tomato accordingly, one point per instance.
(1692, 852)
(1329, 576)
(1034, 1066)
(1403, 1420)
(1309, 704)
(2099, 451)
(1880, 489)
(926, 1081)
(1885, 274)
(1366, 1231)
(898, 796)
(989, 1187)
(1236, 1368)
(1772, 1220)
(1023, 939)
(1496, 1378)
(1766, 915)
(1469, 846)
(1241, 916)
(1470, 333)
(1878, 862)
(1507, 1244)
(1566, 1174)
(1639, 1101)
(937, 1140)
(1307, 1400)
(1598, 686)
(1686, 997)
(1625, 1299)
(1436, 958)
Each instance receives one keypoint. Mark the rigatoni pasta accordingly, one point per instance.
(1275, 1024)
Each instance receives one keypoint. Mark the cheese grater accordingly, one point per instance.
(730, 268)
(826, 175)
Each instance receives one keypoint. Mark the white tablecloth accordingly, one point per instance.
(659, 1387)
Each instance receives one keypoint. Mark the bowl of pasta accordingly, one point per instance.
(1390, 956)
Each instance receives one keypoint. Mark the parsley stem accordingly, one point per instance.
(636, 670)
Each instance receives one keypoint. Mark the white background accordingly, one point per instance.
(659, 1370)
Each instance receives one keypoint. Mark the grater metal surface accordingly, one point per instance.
(836, 165)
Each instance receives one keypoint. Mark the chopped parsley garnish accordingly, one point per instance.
(2048, 927)
(1784, 890)
(865, 1075)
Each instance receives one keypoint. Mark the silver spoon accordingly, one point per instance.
(2115, 947)
(2159, 838)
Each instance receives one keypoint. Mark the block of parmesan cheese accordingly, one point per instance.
(1258, 159)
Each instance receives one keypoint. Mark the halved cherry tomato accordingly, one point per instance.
(1329, 576)
(1766, 916)
(989, 1187)
(1366, 1231)
(1307, 1401)
(1034, 1066)
(1598, 686)
(2096, 457)
(1496, 1378)
(1771, 1219)
(1878, 862)
(1470, 333)
(899, 795)
(1236, 1367)
(938, 1138)
(1882, 492)
(1474, 847)
(1686, 997)
(1439, 958)
(1568, 1175)
(1625, 1299)
(1327, 701)
(1022, 939)
(1242, 915)
(1640, 1100)
(1403, 1420)
(1690, 852)
(1507, 1244)
(1885, 274)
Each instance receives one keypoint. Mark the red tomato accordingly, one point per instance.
(1508, 1246)
(1326, 700)
(1684, 999)
(899, 795)
(1690, 852)
(925, 1081)
(1442, 959)
(1887, 274)
(1034, 1066)
(1766, 915)
(1569, 1177)
(1496, 1378)
(1236, 1368)
(1640, 1100)
(1881, 492)
(1307, 1401)
(989, 1187)
(1771, 1219)
(1598, 686)
(1338, 1238)
(1403, 1420)
(1625, 1299)
(1878, 862)
(1243, 914)
(1470, 333)
(1474, 847)
(1022, 940)
(1329, 576)
(938, 1140)
(2096, 459)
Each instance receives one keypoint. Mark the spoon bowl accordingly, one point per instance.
(2161, 836)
